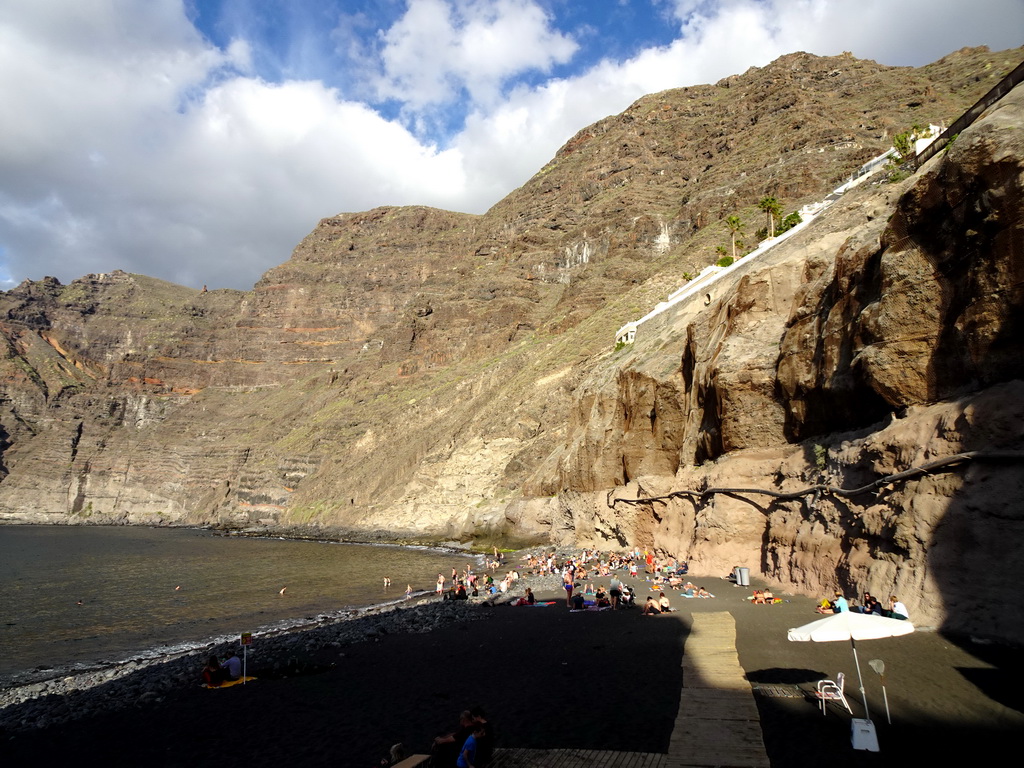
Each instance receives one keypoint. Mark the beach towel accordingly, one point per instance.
(229, 683)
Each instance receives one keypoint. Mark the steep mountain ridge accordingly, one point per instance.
(418, 372)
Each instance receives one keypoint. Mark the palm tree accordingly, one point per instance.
(735, 225)
(772, 208)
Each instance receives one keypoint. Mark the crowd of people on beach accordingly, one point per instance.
(582, 576)
(869, 605)
(591, 580)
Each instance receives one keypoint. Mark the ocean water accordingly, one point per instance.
(76, 597)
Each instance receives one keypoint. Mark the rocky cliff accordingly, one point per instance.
(884, 337)
(422, 373)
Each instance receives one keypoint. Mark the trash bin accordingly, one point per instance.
(743, 576)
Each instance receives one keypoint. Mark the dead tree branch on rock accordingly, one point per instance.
(821, 489)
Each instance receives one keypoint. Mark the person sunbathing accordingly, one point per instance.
(758, 598)
(651, 608)
(767, 597)
(664, 604)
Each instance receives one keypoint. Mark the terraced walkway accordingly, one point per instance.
(717, 723)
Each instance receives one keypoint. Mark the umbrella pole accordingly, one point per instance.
(860, 679)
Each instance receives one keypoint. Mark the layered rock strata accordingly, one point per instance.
(421, 373)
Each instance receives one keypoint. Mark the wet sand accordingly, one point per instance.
(555, 679)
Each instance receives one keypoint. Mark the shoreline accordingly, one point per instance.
(375, 537)
(34, 679)
(26, 686)
(38, 680)
(183, 667)
(339, 627)
(347, 690)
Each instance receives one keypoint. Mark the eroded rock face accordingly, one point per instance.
(415, 372)
(942, 542)
(935, 307)
(897, 341)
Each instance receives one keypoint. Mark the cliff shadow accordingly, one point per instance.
(939, 695)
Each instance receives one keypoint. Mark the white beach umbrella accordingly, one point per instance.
(853, 627)
(850, 626)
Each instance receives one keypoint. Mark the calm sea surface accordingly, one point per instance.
(142, 589)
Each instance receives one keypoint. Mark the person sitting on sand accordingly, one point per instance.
(769, 598)
(232, 666)
(836, 606)
(651, 608)
(213, 674)
(484, 742)
(628, 597)
(601, 597)
(897, 610)
(758, 598)
(527, 599)
(869, 605)
(445, 749)
(664, 604)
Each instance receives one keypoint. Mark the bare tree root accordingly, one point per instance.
(822, 489)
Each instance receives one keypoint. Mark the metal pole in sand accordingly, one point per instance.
(246, 642)
(879, 666)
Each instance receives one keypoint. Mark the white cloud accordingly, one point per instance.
(508, 143)
(129, 141)
(440, 47)
(162, 159)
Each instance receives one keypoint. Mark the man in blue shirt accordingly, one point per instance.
(467, 757)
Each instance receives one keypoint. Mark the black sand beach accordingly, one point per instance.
(549, 679)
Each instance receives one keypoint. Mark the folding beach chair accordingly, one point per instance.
(832, 690)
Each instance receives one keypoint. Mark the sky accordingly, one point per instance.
(198, 141)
